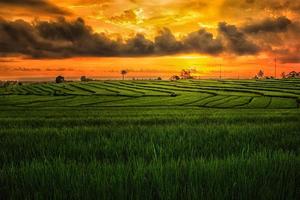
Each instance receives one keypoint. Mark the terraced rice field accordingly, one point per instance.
(197, 93)
(195, 139)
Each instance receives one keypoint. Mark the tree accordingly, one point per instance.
(186, 74)
(83, 78)
(174, 78)
(293, 74)
(123, 72)
(260, 74)
(283, 75)
(60, 79)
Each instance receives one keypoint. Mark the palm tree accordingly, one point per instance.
(124, 72)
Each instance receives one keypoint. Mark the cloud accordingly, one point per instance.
(35, 5)
(279, 24)
(33, 69)
(7, 60)
(138, 45)
(128, 16)
(279, 5)
(275, 36)
(62, 39)
(59, 69)
(203, 42)
(264, 5)
(165, 42)
(289, 59)
(57, 39)
(63, 30)
(237, 41)
(17, 36)
(26, 69)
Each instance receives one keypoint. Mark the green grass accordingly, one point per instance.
(105, 141)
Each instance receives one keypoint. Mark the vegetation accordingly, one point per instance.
(124, 72)
(59, 79)
(137, 140)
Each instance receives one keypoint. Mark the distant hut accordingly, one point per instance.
(60, 79)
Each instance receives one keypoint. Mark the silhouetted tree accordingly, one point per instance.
(60, 79)
(174, 78)
(83, 78)
(123, 72)
(259, 75)
(293, 74)
(186, 74)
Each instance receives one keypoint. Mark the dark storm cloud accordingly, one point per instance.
(166, 42)
(138, 45)
(53, 39)
(78, 37)
(276, 36)
(17, 37)
(62, 38)
(199, 41)
(236, 40)
(63, 30)
(36, 5)
(203, 42)
(279, 24)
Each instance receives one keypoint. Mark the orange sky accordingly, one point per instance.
(254, 34)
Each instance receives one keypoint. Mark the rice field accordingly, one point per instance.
(188, 139)
(276, 94)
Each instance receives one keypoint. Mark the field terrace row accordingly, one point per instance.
(194, 93)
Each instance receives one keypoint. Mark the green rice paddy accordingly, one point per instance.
(193, 139)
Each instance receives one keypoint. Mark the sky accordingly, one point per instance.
(40, 39)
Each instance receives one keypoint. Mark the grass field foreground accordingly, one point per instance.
(150, 140)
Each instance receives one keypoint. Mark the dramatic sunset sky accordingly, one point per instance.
(40, 39)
